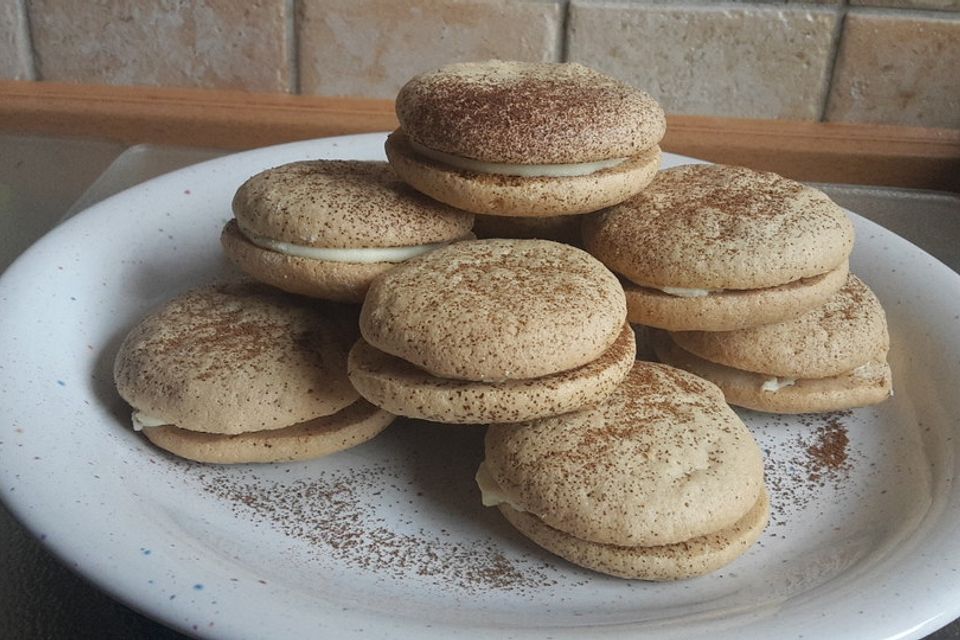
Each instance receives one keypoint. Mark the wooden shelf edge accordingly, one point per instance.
(826, 152)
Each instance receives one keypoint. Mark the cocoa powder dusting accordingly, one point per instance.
(829, 453)
(819, 458)
(349, 517)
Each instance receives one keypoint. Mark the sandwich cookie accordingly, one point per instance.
(326, 228)
(660, 481)
(492, 331)
(525, 139)
(831, 358)
(716, 248)
(244, 373)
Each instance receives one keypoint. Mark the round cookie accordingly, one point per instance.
(831, 358)
(504, 315)
(662, 462)
(326, 228)
(491, 310)
(525, 139)
(717, 248)
(401, 388)
(250, 370)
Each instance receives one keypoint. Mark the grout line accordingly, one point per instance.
(26, 48)
(564, 44)
(832, 63)
(293, 45)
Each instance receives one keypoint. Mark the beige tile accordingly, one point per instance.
(898, 70)
(15, 56)
(943, 5)
(762, 61)
(371, 47)
(206, 43)
(717, 2)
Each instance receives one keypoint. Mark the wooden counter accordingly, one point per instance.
(822, 152)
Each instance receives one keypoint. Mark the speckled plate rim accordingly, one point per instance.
(909, 593)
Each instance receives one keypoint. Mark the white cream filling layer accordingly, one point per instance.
(142, 421)
(363, 255)
(490, 493)
(868, 370)
(775, 384)
(680, 292)
(521, 170)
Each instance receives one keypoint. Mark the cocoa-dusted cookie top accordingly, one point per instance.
(239, 357)
(661, 460)
(837, 337)
(492, 310)
(721, 227)
(343, 204)
(528, 113)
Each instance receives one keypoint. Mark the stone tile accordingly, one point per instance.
(761, 61)
(897, 69)
(206, 43)
(716, 2)
(942, 5)
(15, 56)
(372, 47)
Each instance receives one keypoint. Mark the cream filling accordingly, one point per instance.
(871, 370)
(490, 493)
(142, 421)
(864, 371)
(775, 384)
(364, 255)
(868, 370)
(521, 170)
(680, 292)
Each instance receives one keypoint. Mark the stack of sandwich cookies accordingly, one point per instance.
(717, 248)
(660, 481)
(831, 358)
(492, 331)
(244, 373)
(525, 139)
(326, 228)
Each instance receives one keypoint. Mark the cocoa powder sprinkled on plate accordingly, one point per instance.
(816, 461)
(828, 454)
(350, 517)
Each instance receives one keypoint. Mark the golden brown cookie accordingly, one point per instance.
(511, 314)
(315, 438)
(830, 358)
(690, 558)
(525, 139)
(248, 367)
(661, 480)
(490, 310)
(325, 228)
(402, 388)
(708, 246)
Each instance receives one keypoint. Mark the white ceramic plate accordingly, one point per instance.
(389, 539)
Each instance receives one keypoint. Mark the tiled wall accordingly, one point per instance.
(888, 61)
